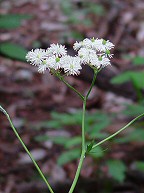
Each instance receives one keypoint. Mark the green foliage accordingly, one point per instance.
(134, 135)
(139, 165)
(97, 152)
(89, 146)
(138, 60)
(134, 109)
(116, 169)
(135, 77)
(13, 51)
(94, 124)
(68, 156)
(7, 22)
(80, 16)
(97, 9)
(11, 21)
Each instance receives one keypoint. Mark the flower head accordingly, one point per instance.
(71, 65)
(54, 62)
(100, 62)
(77, 45)
(36, 57)
(93, 52)
(43, 67)
(86, 54)
(57, 50)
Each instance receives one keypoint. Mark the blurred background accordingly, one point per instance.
(47, 114)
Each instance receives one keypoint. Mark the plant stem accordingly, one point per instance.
(83, 136)
(26, 149)
(71, 87)
(92, 84)
(120, 130)
(82, 152)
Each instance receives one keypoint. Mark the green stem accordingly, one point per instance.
(71, 87)
(92, 84)
(26, 149)
(82, 152)
(120, 130)
(83, 136)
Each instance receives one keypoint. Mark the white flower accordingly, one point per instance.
(108, 45)
(86, 54)
(87, 43)
(103, 45)
(36, 57)
(94, 61)
(57, 50)
(77, 45)
(98, 44)
(42, 68)
(71, 65)
(100, 62)
(54, 62)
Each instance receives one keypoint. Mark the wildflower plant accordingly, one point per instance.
(96, 53)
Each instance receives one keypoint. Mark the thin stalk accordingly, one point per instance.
(83, 136)
(26, 149)
(82, 152)
(71, 87)
(120, 130)
(92, 84)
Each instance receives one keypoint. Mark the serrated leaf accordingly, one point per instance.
(13, 51)
(68, 156)
(11, 21)
(116, 169)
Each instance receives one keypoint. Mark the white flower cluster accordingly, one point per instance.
(93, 52)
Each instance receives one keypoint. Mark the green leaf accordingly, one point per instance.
(77, 35)
(89, 146)
(137, 78)
(95, 123)
(13, 51)
(73, 142)
(59, 140)
(122, 78)
(116, 169)
(139, 165)
(41, 138)
(97, 9)
(136, 135)
(134, 109)
(97, 152)
(67, 7)
(138, 60)
(11, 21)
(68, 156)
